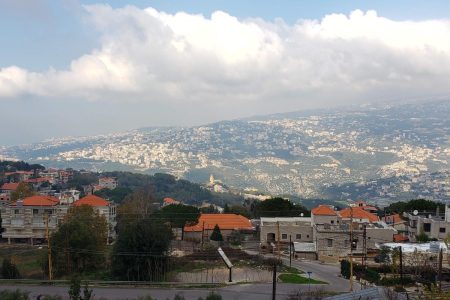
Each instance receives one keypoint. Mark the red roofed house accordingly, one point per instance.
(170, 201)
(365, 206)
(26, 218)
(331, 231)
(8, 188)
(324, 214)
(104, 208)
(358, 214)
(226, 222)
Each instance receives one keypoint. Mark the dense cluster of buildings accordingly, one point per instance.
(31, 218)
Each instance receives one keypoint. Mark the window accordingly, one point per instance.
(426, 227)
(298, 236)
(332, 221)
(329, 242)
(284, 236)
(307, 236)
(442, 229)
(17, 211)
(35, 211)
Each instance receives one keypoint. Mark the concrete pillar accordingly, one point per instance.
(9, 241)
(31, 241)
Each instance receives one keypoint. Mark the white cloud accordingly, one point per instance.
(147, 55)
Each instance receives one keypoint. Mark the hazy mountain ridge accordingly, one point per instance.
(295, 153)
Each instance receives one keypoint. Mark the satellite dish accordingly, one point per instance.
(415, 212)
(302, 214)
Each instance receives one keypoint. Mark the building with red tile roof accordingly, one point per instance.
(323, 210)
(9, 187)
(93, 201)
(37, 200)
(226, 222)
(358, 214)
(324, 214)
(104, 208)
(170, 201)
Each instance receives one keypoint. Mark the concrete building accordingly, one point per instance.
(26, 219)
(227, 223)
(104, 208)
(299, 229)
(8, 188)
(435, 226)
(106, 183)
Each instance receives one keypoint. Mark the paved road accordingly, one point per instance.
(233, 292)
(325, 272)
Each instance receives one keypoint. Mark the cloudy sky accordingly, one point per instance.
(71, 67)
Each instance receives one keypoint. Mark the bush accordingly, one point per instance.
(345, 269)
(9, 270)
(371, 275)
(391, 281)
(212, 296)
(14, 295)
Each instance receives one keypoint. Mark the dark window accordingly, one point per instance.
(442, 229)
(284, 236)
(307, 236)
(329, 242)
(298, 236)
(332, 221)
(426, 227)
(35, 211)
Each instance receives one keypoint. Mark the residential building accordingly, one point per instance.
(106, 183)
(334, 236)
(26, 219)
(324, 214)
(170, 201)
(227, 223)
(8, 188)
(104, 208)
(298, 229)
(435, 226)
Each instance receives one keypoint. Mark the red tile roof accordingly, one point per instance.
(225, 222)
(91, 200)
(170, 201)
(358, 213)
(393, 219)
(400, 238)
(39, 179)
(39, 200)
(9, 186)
(323, 210)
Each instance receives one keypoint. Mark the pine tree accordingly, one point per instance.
(216, 234)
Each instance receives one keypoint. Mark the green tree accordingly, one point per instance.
(9, 269)
(416, 204)
(79, 244)
(141, 251)
(422, 237)
(345, 268)
(23, 190)
(216, 235)
(279, 207)
(178, 216)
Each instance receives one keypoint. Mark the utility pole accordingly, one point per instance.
(274, 281)
(351, 249)
(49, 249)
(440, 270)
(290, 251)
(278, 240)
(401, 265)
(203, 233)
(365, 245)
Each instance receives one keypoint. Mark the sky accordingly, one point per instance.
(71, 68)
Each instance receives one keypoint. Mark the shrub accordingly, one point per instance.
(14, 295)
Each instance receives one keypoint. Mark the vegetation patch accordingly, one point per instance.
(298, 279)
